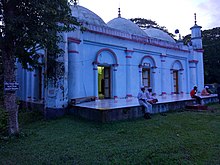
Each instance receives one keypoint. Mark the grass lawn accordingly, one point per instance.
(179, 138)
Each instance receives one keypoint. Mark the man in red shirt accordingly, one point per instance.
(193, 94)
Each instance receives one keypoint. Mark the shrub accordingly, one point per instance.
(3, 122)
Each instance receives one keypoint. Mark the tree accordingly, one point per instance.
(145, 23)
(211, 45)
(28, 26)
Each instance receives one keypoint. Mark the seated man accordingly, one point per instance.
(205, 91)
(152, 96)
(143, 100)
(193, 94)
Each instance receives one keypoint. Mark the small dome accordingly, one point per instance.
(126, 26)
(159, 34)
(85, 15)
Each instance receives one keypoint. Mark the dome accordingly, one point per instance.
(159, 34)
(126, 26)
(85, 15)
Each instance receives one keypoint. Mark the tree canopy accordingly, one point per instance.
(30, 25)
(26, 27)
(145, 23)
(211, 45)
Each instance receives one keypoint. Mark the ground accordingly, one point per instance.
(182, 137)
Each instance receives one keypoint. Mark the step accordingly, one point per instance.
(197, 107)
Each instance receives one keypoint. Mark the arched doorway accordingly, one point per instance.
(104, 81)
(176, 78)
(105, 67)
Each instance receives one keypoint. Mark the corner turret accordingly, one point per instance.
(196, 36)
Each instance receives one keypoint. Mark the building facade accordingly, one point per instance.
(112, 60)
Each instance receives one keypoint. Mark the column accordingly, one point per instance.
(171, 81)
(33, 86)
(28, 85)
(163, 74)
(140, 75)
(73, 68)
(95, 71)
(128, 72)
(181, 81)
(192, 68)
(153, 78)
(115, 68)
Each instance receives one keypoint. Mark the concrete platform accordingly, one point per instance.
(120, 109)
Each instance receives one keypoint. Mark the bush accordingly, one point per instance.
(3, 122)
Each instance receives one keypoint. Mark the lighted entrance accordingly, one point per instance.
(104, 82)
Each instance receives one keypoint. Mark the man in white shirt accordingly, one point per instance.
(142, 98)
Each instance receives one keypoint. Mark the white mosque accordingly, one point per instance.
(112, 60)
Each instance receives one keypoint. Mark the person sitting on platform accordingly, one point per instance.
(143, 98)
(152, 96)
(205, 91)
(193, 94)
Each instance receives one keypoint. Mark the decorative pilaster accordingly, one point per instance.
(33, 82)
(128, 72)
(140, 75)
(28, 87)
(153, 85)
(115, 68)
(163, 73)
(193, 75)
(181, 81)
(171, 82)
(73, 67)
(95, 72)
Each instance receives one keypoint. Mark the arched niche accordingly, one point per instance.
(106, 56)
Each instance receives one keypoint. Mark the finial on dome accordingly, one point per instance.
(180, 38)
(119, 12)
(195, 18)
(75, 2)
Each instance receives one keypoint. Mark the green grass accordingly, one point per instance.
(178, 138)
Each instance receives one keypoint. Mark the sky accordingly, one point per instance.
(173, 14)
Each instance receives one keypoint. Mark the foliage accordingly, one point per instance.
(178, 138)
(3, 122)
(211, 44)
(187, 39)
(29, 26)
(146, 23)
(33, 25)
(1, 78)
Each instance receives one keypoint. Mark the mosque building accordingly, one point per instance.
(112, 60)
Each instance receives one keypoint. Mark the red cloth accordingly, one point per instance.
(192, 93)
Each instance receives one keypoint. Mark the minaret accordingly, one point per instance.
(196, 37)
(196, 59)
